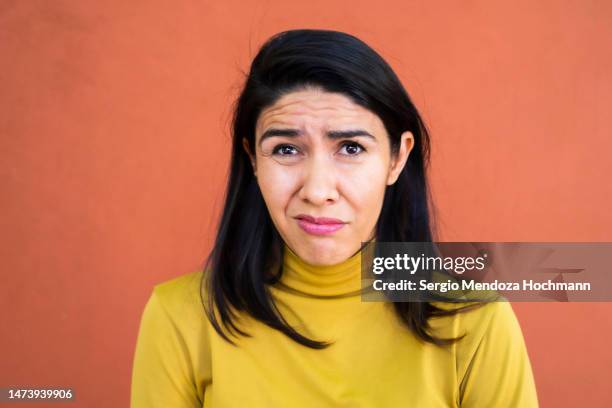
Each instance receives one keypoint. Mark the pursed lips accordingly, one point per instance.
(319, 225)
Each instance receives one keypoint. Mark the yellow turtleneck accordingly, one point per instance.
(374, 361)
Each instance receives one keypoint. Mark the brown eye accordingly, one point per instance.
(352, 148)
(284, 150)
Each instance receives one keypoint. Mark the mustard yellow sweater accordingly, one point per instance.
(180, 361)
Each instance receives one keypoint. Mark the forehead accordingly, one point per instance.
(315, 107)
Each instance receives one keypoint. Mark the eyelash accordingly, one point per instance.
(276, 149)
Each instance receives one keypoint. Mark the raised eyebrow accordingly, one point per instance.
(333, 134)
(279, 132)
(341, 134)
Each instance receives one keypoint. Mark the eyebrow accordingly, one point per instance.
(332, 134)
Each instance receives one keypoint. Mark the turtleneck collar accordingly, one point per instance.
(339, 280)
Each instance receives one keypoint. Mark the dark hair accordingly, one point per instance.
(248, 250)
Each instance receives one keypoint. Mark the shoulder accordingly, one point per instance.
(490, 329)
(180, 298)
(175, 289)
(497, 324)
(172, 360)
(492, 320)
(480, 310)
(492, 362)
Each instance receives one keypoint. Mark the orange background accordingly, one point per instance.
(114, 146)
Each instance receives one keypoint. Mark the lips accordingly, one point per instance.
(319, 225)
(319, 220)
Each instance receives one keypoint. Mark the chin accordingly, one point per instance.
(325, 259)
(324, 252)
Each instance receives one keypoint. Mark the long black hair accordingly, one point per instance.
(247, 251)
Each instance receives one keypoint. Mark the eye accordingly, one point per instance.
(352, 148)
(285, 150)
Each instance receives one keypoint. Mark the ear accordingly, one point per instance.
(399, 160)
(245, 145)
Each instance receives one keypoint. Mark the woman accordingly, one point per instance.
(328, 153)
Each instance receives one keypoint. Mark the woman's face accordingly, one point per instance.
(323, 163)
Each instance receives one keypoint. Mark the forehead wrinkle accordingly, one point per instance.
(314, 103)
(309, 107)
(308, 113)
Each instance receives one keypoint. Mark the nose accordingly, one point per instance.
(319, 181)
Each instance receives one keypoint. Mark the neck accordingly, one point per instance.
(339, 280)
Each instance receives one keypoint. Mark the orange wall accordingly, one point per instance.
(114, 145)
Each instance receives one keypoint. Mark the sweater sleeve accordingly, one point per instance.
(162, 375)
(496, 371)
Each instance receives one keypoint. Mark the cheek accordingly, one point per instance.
(277, 184)
(365, 184)
(364, 187)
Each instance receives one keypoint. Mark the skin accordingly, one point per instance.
(314, 174)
